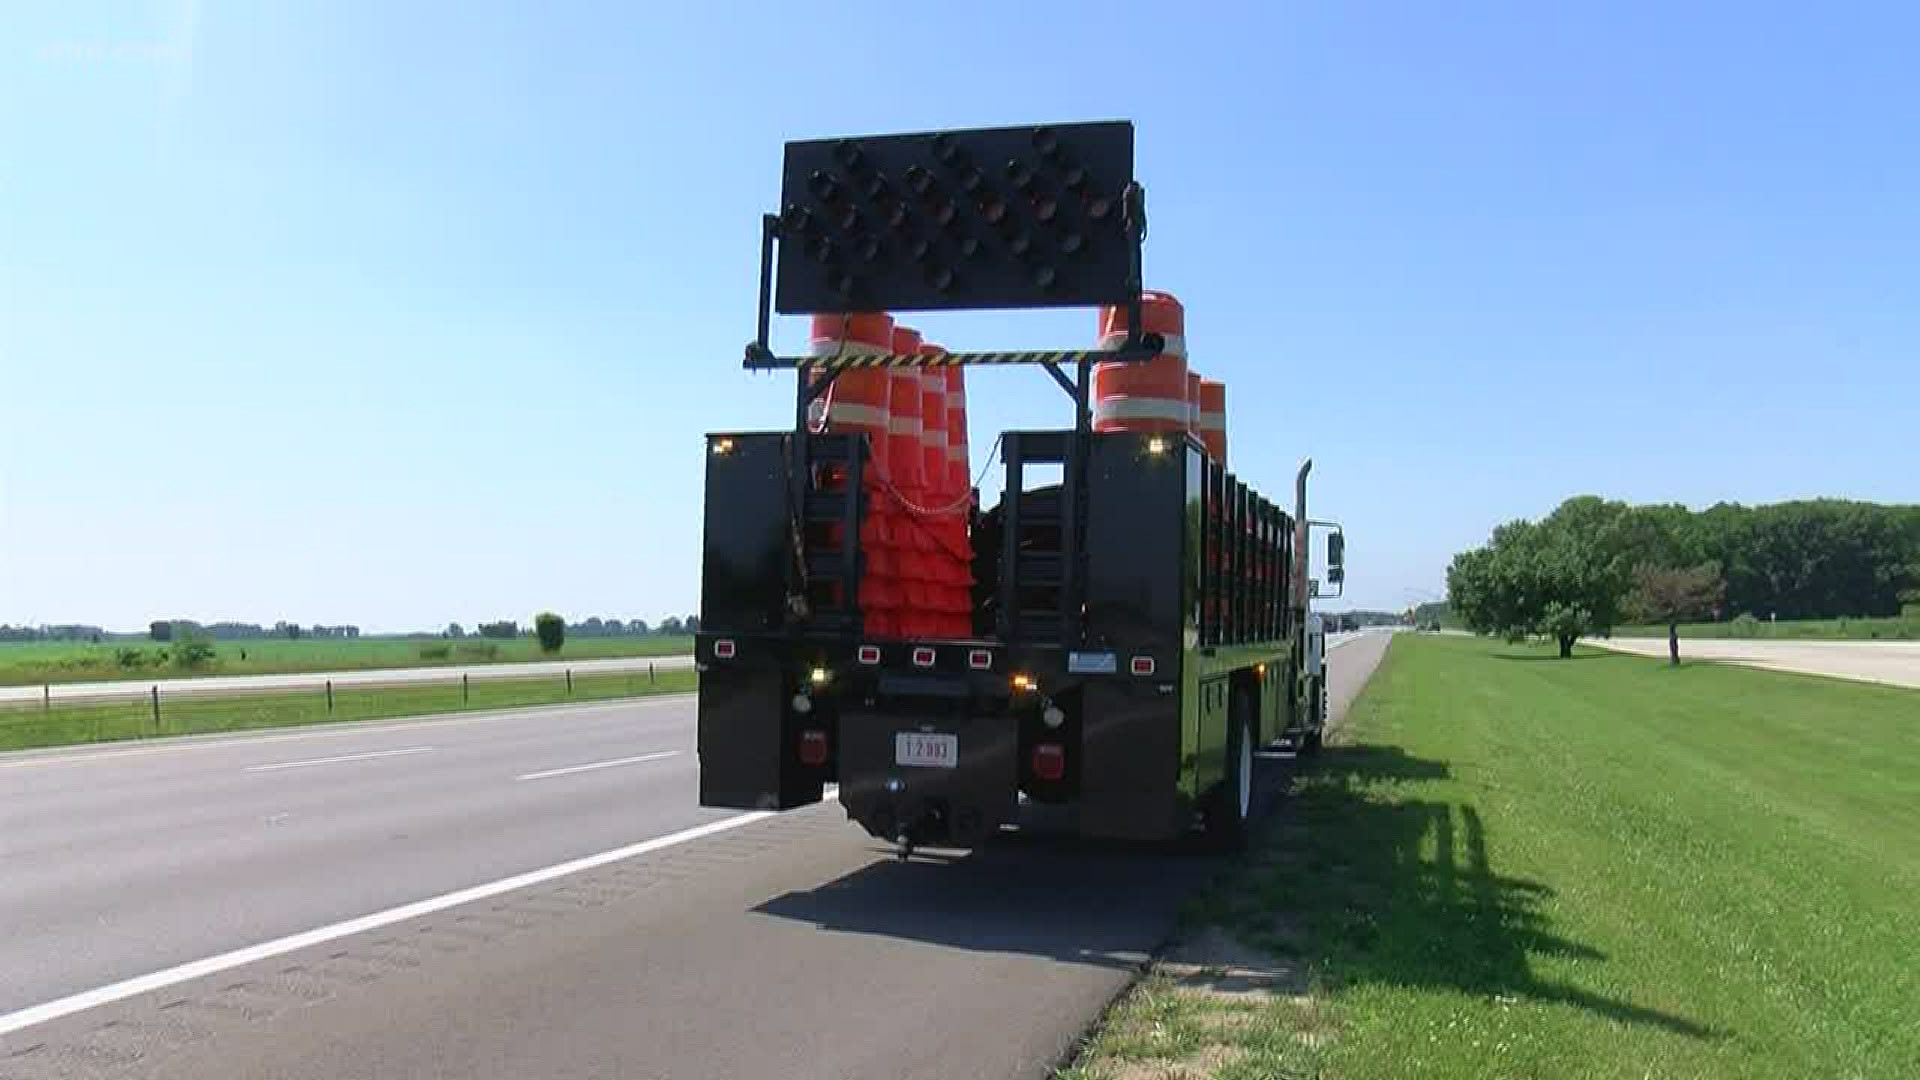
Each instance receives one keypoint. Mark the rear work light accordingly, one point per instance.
(723, 649)
(1049, 761)
(813, 747)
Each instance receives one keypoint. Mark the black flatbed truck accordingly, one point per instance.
(1140, 626)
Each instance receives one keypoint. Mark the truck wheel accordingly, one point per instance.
(1310, 742)
(1224, 823)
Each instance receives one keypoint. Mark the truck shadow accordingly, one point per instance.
(1042, 891)
(1369, 887)
(1345, 879)
(1032, 892)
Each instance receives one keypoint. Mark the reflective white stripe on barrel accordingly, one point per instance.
(903, 425)
(1176, 344)
(1171, 410)
(854, 412)
(836, 347)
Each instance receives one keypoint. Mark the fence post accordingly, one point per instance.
(329, 697)
(569, 682)
(156, 709)
(649, 673)
(463, 688)
(46, 699)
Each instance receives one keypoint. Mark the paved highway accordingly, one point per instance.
(312, 680)
(531, 894)
(1895, 663)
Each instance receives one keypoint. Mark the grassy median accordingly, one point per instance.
(1519, 866)
(32, 663)
(23, 727)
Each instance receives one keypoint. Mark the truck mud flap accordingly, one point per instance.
(748, 741)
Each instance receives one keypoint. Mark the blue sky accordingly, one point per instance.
(400, 314)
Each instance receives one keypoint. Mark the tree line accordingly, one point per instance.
(591, 627)
(1593, 563)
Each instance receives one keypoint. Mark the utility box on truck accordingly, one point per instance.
(1115, 635)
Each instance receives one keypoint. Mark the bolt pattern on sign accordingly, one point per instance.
(857, 402)
(1150, 395)
(1213, 418)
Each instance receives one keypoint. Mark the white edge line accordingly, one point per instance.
(598, 765)
(173, 976)
(368, 756)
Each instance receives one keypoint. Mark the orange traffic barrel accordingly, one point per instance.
(857, 400)
(933, 426)
(1213, 418)
(1193, 400)
(1150, 395)
(959, 474)
(906, 463)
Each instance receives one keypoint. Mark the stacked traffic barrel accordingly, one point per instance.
(949, 594)
(1161, 395)
(917, 572)
(857, 403)
(1149, 395)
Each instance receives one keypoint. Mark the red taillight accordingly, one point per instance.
(1049, 761)
(923, 657)
(1143, 665)
(813, 747)
(723, 649)
(868, 654)
(980, 659)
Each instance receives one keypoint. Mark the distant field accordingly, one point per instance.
(1895, 628)
(32, 663)
(1518, 866)
(28, 726)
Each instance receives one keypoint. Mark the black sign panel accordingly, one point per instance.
(983, 218)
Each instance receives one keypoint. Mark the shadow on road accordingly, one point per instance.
(1371, 886)
(1027, 893)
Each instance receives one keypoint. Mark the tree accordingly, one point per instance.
(455, 630)
(505, 628)
(692, 624)
(1564, 576)
(669, 625)
(1676, 594)
(551, 629)
(160, 630)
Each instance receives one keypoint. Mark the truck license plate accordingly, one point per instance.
(921, 748)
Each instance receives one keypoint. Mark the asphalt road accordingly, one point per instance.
(312, 680)
(397, 900)
(1895, 663)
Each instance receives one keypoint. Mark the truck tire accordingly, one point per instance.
(1229, 809)
(1311, 741)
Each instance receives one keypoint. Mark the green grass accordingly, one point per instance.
(1521, 866)
(33, 663)
(23, 727)
(1895, 628)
